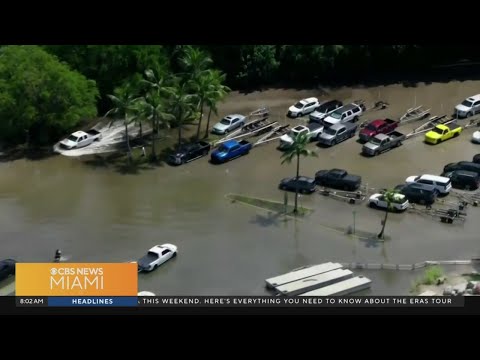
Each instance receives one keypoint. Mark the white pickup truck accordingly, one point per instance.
(156, 256)
(314, 130)
(80, 139)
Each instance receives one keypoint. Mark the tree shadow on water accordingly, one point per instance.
(271, 219)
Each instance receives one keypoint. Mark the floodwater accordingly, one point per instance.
(96, 214)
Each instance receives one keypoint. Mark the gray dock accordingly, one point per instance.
(314, 282)
(342, 288)
(302, 273)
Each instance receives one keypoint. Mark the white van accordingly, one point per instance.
(441, 183)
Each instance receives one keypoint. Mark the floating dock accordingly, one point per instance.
(314, 282)
(301, 273)
(345, 287)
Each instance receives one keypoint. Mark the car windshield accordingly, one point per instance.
(370, 127)
(375, 141)
(467, 103)
(329, 131)
(298, 105)
(73, 138)
(336, 115)
(438, 131)
(223, 148)
(225, 122)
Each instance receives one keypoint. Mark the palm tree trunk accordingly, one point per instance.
(295, 209)
(180, 129)
(129, 150)
(208, 123)
(200, 120)
(382, 233)
(154, 136)
(140, 134)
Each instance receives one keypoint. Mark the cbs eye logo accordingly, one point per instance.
(53, 271)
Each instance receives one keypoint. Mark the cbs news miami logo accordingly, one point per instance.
(89, 279)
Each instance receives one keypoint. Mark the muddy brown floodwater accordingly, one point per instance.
(97, 214)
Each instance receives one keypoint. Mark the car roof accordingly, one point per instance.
(474, 97)
(466, 173)
(230, 143)
(308, 100)
(233, 116)
(299, 128)
(442, 127)
(338, 126)
(304, 178)
(381, 136)
(377, 122)
(79, 133)
(433, 177)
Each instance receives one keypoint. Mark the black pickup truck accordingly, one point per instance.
(189, 152)
(338, 179)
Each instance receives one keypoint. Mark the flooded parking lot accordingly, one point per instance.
(97, 214)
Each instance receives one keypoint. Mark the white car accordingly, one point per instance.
(476, 137)
(229, 123)
(156, 256)
(80, 139)
(469, 107)
(441, 183)
(303, 107)
(400, 202)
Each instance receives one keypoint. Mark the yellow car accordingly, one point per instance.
(442, 132)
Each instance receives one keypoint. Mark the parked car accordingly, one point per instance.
(337, 133)
(441, 183)
(470, 106)
(347, 113)
(465, 180)
(229, 123)
(156, 256)
(313, 130)
(303, 107)
(80, 139)
(324, 110)
(304, 184)
(376, 127)
(7, 268)
(382, 142)
(462, 165)
(189, 152)
(442, 132)
(338, 179)
(418, 193)
(476, 137)
(230, 150)
(399, 203)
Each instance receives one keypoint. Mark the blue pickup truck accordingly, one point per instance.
(229, 150)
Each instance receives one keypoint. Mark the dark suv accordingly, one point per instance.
(304, 184)
(462, 165)
(418, 193)
(467, 180)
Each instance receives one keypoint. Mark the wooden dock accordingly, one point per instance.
(345, 287)
(301, 273)
(314, 282)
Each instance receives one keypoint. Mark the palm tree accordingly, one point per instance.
(216, 92)
(123, 107)
(297, 149)
(196, 63)
(389, 197)
(154, 104)
(182, 106)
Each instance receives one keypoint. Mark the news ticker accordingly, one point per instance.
(240, 301)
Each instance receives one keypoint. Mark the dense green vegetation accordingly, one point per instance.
(39, 96)
(44, 91)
